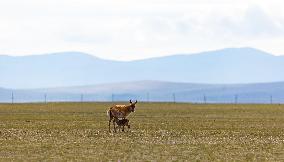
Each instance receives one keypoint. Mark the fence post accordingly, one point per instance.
(147, 96)
(204, 98)
(174, 97)
(82, 98)
(45, 98)
(271, 99)
(12, 97)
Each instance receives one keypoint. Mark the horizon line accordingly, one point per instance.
(141, 81)
(139, 59)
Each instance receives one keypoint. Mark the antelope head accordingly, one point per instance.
(132, 105)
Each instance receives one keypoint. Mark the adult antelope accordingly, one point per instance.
(120, 111)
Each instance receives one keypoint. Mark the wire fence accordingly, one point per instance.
(143, 97)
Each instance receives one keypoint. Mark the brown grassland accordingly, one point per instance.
(159, 132)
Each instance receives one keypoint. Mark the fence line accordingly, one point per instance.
(149, 97)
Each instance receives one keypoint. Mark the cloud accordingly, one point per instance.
(254, 24)
(129, 29)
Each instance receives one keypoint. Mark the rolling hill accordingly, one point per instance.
(226, 66)
(154, 91)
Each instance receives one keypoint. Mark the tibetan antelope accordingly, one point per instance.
(120, 111)
(122, 123)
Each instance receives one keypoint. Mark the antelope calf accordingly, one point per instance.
(120, 111)
(122, 123)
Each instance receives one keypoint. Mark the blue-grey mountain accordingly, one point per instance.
(233, 65)
(154, 91)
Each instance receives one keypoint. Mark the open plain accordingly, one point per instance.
(159, 132)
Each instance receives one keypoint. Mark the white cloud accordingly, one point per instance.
(130, 29)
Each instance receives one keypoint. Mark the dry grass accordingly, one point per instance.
(160, 132)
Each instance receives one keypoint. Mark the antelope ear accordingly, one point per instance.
(130, 101)
(136, 102)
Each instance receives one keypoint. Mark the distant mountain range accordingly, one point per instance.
(225, 76)
(226, 66)
(154, 91)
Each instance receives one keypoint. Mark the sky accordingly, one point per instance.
(136, 29)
